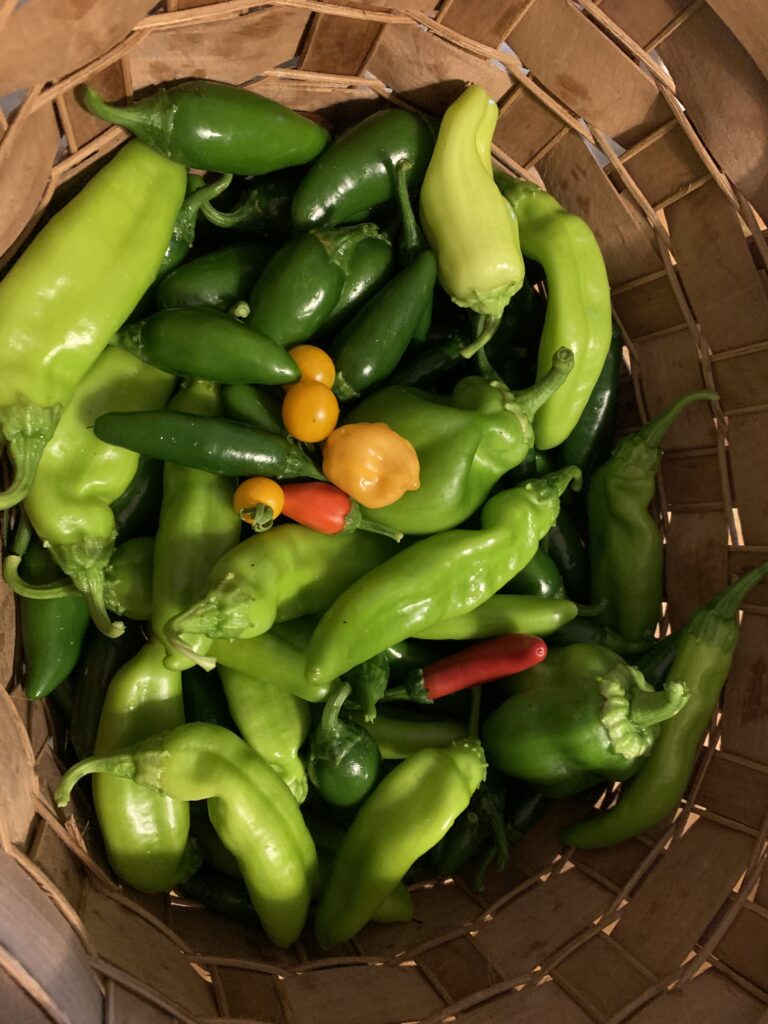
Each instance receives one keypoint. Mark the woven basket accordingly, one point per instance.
(650, 119)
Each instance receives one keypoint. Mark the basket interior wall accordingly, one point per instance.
(651, 121)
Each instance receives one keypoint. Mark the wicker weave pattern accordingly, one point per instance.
(650, 120)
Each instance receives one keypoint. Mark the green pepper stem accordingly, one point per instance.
(114, 764)
(125, 117)
(649, 708)
(25, 454)
(329, 721)
(652, 434)
(486, 369)
(22, 537)
(589, 611)
(90, 582)
(474, 713)
(385, 531)
(555, 483)
(39, 591)
(489, 327)
(413, 240)
(727, 603)
(531, 399)
(240, 310)
(221, 219)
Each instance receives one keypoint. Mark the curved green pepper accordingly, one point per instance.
(271, 720)
(356, 173)
(369, 269)
(505, 613)
(437, 578)
(252, 810)
(372, 344)
(539, 578)
(255, 406)
(465, 444)
(183, 234)
(625, 546)
(71, 289)
(302, 283)
(471, 228)
(205, 344)
(578, 301)
(282, 574)
(216, 280)
(578, 718)
(79, 475)
(217, 127)
(405, 816)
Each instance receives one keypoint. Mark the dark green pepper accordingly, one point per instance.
(588, 631)
(567, 550)
(481, 825)
(655, 661)
(222, 894)
(402, 732)
(344, 760)
(204, 344)
(356, 173)
(137, 510)
(539, 578)
(183, 237)
(580, 717)
(217, 279)
(465, 444)
(217, 127)
(370, 268)
(302, 283)
(204, 699)
(128, 579)
(264, 208)
(250, 404)
(368, 684)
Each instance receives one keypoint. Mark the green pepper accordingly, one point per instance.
(408, 655)
(199, 442)
(197, 525)
(405, 816)
(580, 717)
(247, 403)
(625, 545)
(99, 662)
(578, 301)
(99, 254)
(128, 578)
(216, 127)
(480, 827)
(204, 699)
(137, 509)
(264, 208)
(505, 613)
(465, 444)
(79, 475)
(429, 366)
(655, 661)
(252, 810)
(271, 720)
(356, 173)
(399, 734)
(344, 760)
(217, 279)
(588, 631)
(282, 574)
(372, 344)
(589, 443)
(437, 578)
(567, 550)
(539, 578)
(302, 283)
(701, 667)
(183, 235)
(411, 245)
(467, 222)
(222, 894)
(368, 684)
(369, 269)
(279, 655)
(207, 345)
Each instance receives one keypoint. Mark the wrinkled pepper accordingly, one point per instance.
(373, 464)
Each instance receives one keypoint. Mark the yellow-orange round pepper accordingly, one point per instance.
(371, 463)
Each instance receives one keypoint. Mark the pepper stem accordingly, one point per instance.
(385, 531)
(240, 310)
(125, 117)
(90, 582)
(412, 242)
(652, 707)
(557, 482)
(486, 369)
(728, 602)
(115, 764)
(27, 435)
(531, 399)
(40, 591)
(652, 434)
(474, 712)
(589, 611)
(260, 517)
(489, 326)
(202, 195)
(329, 721)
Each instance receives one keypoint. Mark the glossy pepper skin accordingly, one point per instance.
(183, 234)
(539, 578)
(400, 734)
(701, 665)
(282, 574)
(372, 463)
(325, 508)
(435, 579)
(263, 209)
(356, 173)
(580, 717)
(217, 127)
(578, 301)
(252, 810)
(405, 816)
(216, 446)
(468, 224)
(247, 403)
(302, 283)
(372, 344)
(215, 280)
(197, 525)
(273, 721)
(72, 288)
(370, 268)
(505, 613)
(208, 345)
(625, 545)
(344, 760)
(79, 475)
(137, 509)
(464, 443)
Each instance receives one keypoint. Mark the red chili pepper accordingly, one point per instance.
(327, 509)
(478, 663)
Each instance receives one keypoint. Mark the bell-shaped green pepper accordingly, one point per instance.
(465, 444)
(579, 717)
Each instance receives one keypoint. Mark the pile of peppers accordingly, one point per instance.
(323, 546)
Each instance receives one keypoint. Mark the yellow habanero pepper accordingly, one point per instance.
(371, 463)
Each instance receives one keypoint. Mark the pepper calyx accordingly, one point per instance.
(27, 429)
(631, 709)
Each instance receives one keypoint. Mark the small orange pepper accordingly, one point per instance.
(371, 463)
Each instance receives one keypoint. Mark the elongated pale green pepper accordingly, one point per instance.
(71, 290)
(469, 225)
